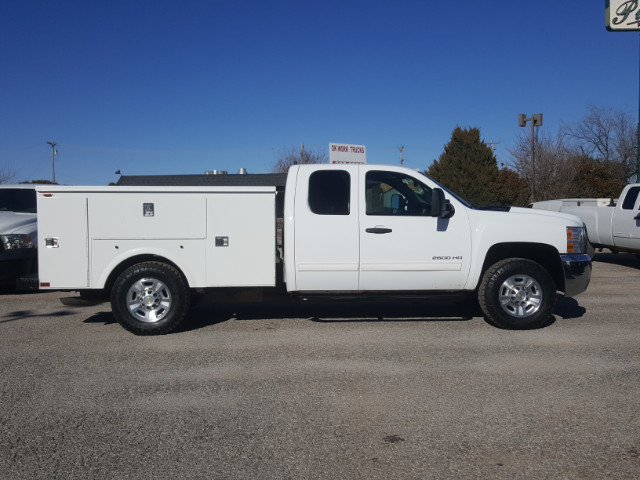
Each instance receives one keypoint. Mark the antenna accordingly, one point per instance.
(401, 148)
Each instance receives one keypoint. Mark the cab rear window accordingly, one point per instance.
(329, 192)
(21, 200)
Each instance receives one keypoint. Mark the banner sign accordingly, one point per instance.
(341, 153)
(623, 15)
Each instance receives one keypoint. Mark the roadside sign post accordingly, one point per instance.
(624, 16)
(343, 153)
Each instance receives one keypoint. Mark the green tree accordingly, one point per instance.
(467, 166)
(511, 189)
(41, 182)
(596, 179)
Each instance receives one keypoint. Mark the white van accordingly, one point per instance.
(18, 232)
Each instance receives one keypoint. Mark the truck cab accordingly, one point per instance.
(625, 226)
(615, 226)
(372, 228)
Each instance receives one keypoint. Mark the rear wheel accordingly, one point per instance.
(518, 294)
(150, 298)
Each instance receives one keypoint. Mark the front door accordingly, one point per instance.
(402, 247)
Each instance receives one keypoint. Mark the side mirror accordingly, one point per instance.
(440, 206)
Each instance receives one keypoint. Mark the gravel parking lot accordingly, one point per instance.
(425, 390)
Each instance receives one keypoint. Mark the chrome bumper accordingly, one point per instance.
(577, 273)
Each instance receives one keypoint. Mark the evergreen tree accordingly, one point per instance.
(511, 189)
(467, 167)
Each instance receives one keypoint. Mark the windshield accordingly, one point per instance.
(21, 200)
(461, 200)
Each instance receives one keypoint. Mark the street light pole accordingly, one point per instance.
(54, 152)
(536, 121)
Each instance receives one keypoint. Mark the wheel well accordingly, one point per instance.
(135, 260)
(545, 255)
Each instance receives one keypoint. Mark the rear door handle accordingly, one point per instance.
(379, 230)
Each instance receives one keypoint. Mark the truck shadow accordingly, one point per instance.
(462, 310)
(568, 308)
(207, 314)
(622, 259)
(27, 314)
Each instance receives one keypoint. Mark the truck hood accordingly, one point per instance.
(547, 213)
(12, 222)
(511, 211)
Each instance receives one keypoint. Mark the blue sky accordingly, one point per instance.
(180, 87)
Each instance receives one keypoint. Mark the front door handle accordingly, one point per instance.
(379, 230)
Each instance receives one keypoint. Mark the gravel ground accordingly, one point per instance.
(340, 391)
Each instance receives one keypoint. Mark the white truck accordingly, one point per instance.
(615, 226)
(349, 231)
(18, 232)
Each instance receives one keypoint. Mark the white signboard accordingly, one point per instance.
(623, 15)
(342, 153)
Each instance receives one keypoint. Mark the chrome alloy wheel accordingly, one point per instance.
(149, 300)
(520, 296)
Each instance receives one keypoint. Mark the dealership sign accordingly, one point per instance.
(623, 15)
(341, 153)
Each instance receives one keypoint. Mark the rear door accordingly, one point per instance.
(326, 229)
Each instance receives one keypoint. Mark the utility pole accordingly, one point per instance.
(536, 121)
(493, 149)
(54, 152)
(401, 148)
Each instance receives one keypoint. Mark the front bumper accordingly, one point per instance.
(14, 263)
(577, 273)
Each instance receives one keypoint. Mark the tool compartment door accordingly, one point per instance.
(63, 246)
(241, 239)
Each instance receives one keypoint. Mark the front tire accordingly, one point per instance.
(517, 294)
(150, 298)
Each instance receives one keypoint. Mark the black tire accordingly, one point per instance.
(517, 294)
(150, 298)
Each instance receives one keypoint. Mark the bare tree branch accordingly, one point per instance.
(293, 156)
(6, 176)
(608, 136)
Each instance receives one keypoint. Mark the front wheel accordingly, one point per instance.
(517, 293)
(150, 298)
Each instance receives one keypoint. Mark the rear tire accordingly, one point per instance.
(517, 294)
(150, 298)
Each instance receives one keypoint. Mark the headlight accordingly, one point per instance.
(11, 242)
(576, 240)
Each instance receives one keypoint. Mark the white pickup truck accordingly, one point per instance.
(616, 227)
(349, 231)
(18, 232)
